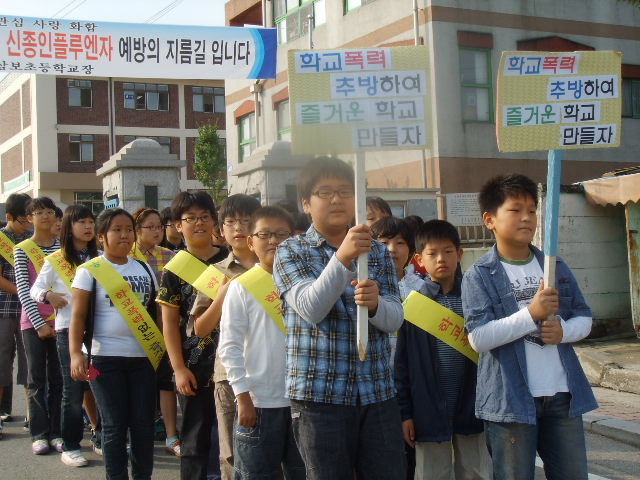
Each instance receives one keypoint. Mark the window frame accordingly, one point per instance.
(91, 203)
(74, 84)
(82, 141)
(202, 93)
(488, 86)
(282, 131)
(346, 9)
(137, 90)
(632, 82)
(242, 143)
(290, 12)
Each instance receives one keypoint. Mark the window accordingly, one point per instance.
(208, 99)
(631, 97)
(146, 96)
(81, 148)
(151, 196)
(92, 200)
(247, 136)
(353, 4)
(79, 93)
(165, 142)
(290, 17)
(475, 80)
(283, 120)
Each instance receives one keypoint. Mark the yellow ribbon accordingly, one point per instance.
(142, 326)
(259, 283)
(186, 266)
(6, 248)
(209, 282)
(438, 321)
(64, 269)
(34, 252)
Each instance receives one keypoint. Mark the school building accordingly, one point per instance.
(56, 131)
(464, 42)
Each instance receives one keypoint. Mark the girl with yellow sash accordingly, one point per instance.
(149, 230)
(121, 342)
(53, 286)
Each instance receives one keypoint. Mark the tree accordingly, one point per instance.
(210, 164)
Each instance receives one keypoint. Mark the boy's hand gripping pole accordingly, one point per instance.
(363, 266)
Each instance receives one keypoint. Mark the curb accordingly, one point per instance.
(603, 372)
(614, 428)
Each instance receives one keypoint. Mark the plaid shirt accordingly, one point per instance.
(9, 303)
(322, 359)
(157, 258)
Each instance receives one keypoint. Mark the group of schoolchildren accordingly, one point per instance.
(272, 356)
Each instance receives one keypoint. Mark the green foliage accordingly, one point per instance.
(210, 165)
(635, 3)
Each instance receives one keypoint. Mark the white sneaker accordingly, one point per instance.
(73, 458)
(56, 444)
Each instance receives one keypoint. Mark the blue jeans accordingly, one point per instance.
(268, 448)
(125, 392)
(72, 396)
(558, 438)
(335, 440)
(44, 385)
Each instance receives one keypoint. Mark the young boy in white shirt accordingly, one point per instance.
(252, 350)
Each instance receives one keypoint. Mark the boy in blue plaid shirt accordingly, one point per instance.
(345, 416)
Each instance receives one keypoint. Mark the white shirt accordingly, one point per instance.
(48, 279)
(252, 349)
(111, 334)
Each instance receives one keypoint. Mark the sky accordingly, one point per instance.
(185, 12)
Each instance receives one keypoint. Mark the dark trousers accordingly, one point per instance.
(195, 433)
(125, 394)
(72, 396)
(44, 385)
(336, 440)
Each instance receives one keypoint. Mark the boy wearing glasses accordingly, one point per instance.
(194, 217)
(252, 350)
(344, 414)
(234, 215)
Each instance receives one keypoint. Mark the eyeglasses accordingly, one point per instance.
(327, 194)
(153, 227)
(193, 219)
(44, 213)
(23, 222)
(280, 235)
(230, 222)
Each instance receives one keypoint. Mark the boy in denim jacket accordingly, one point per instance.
(531, 390)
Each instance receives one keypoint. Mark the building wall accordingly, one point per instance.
(97, 114)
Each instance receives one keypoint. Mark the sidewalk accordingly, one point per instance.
(613, 369)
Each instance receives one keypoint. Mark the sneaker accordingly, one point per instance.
(40, 447)
(172, 445)
(5, 417)
(96, 442)
(25, 427)
(57, 444)
(74, 458)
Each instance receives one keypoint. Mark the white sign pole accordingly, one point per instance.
(363, 266)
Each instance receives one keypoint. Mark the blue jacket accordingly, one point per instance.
(502, 393)
(420, 394)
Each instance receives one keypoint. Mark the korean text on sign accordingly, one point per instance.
(343, 60)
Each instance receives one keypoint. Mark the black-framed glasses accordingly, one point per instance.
(327, 194)
(279, 235)
(194, 219)
(23, 222)
(230, 222)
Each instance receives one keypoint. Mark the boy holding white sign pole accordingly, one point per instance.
(344, 413)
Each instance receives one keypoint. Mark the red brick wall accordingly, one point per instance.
(98, 114)
(26, 105)
(197, 119)
(100, 155)
(12, 163)
(146, 118)
(28, 153)
(10, 117)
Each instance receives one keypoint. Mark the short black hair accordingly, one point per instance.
(38, 203)
(436, 230)
(414, 222)
(379, 203)
(186, 200)
(499, 188)
(165, 216)
(238, 205)
(72, 214)
(270, 212)
(58, 211)
(16, 205)
(103, 222)
(389, 227)
(301, 222)
(322, 167)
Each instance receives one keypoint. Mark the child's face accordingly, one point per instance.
(399, 250)
(235, 230)
(196, 226)
(334, 212)
(83, 229)
(514, 222)
(21, 225)
(150, 231)
(42, 219)
(119, 237)
(276, 231)
(440, 259)
(373, 215)
(56, 227)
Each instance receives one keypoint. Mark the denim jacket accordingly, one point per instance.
(502, 392)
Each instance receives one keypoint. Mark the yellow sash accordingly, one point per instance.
(439, 321)
(33, 251)
(64, 269)
(156, 252)
(259, 283)
(209, 282)
(129, 306)
(186, 266)
(6, 248)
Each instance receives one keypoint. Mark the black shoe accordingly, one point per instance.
(96, 442)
